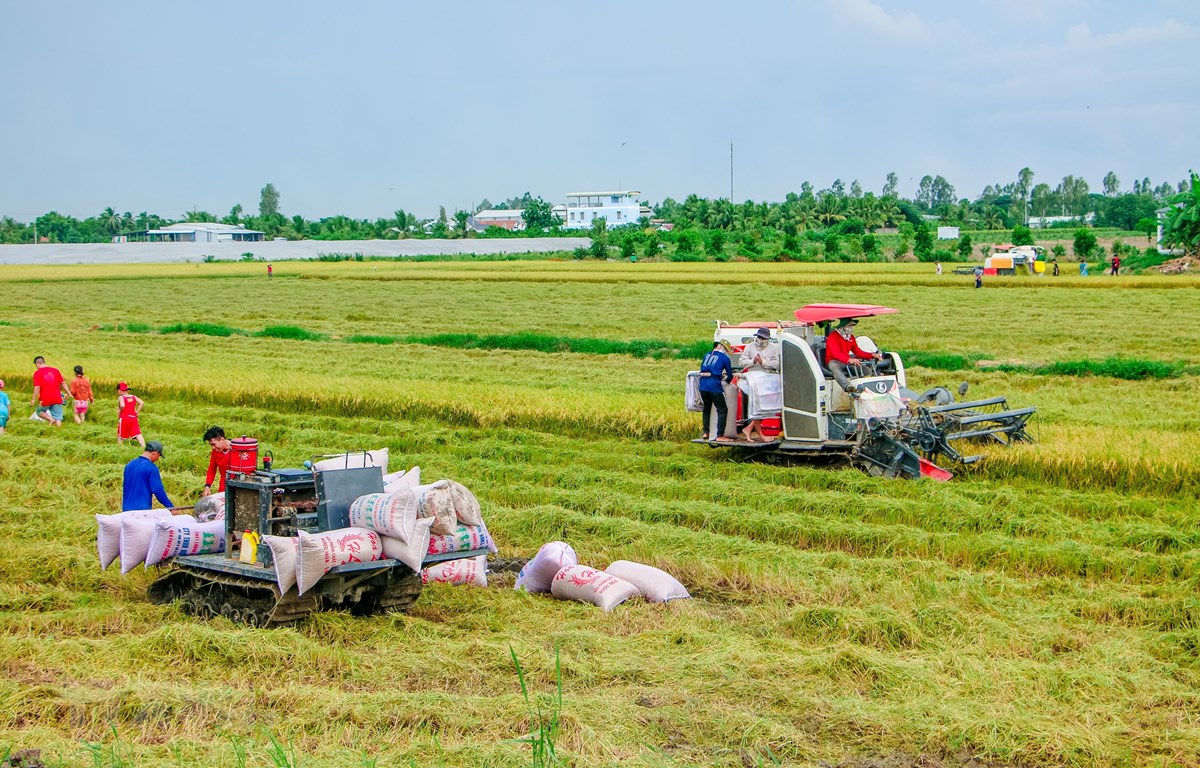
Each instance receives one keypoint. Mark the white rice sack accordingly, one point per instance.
(411, 553)
(656, 585)
(469, 570)
(588, 585)
(392, 514)
(320, 552)
(536, 575)
(438, 502)
(356, 460)
(464, 537)
(210, 507)
(466, 506)
(284, 550)
(181, 537)
(136, 534)
(108, 532)
(402, 479)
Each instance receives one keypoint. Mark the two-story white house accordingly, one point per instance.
(617, 208)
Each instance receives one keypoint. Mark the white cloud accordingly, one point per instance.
(1081, 38)
(899, 26)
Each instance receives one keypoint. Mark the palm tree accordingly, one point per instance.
(110, 220)
(805, 217)
(829, 209)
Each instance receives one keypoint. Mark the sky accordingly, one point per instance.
(364, 108)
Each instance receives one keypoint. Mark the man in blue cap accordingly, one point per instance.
(143, 483)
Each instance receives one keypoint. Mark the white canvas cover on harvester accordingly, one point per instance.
(691, 399)
(765, 391)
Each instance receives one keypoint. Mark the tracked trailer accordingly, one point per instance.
(884, 428)
(282, 502)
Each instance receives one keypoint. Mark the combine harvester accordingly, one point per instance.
(282, 502)
(887, 430)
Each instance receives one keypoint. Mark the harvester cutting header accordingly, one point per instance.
(810, 394)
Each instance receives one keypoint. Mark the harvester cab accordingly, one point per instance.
(884, 428)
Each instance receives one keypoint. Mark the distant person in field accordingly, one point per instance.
(4, 408)
(842, 351)
(978, 277)
(48, 391)
(81, 393)
(129, 406)
(938, 269)
(1083, 268)
(1054, 272)
(270, 271)
(1116, 264)
(218, 460)
(715, 370)
(143, 482)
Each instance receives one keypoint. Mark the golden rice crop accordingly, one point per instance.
(1038, 610)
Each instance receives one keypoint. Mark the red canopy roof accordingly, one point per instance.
(819, 313)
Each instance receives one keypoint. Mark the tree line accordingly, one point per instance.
(999, 206)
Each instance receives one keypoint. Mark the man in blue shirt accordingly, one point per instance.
(143, 483)
(714, 372)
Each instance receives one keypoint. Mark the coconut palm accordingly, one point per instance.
(829, 209)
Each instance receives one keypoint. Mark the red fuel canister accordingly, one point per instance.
(245, 455)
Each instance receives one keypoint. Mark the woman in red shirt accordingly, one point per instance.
(218, 460)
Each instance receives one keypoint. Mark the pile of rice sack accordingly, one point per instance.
(150, 536)
(556, 569)
(407, 522)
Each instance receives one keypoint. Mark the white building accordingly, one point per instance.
(617, 208)
(1045, 222)
(512, 219)
(203, 232)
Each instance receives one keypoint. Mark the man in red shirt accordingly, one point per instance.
(218, 460)
(48, 390)
(841, 350)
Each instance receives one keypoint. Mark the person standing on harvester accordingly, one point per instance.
(143, 482)
(841, 350)
(759, 355)
(715, 371)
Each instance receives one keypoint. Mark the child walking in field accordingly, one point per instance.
(128, 408)
(81, 393)
(3, 408)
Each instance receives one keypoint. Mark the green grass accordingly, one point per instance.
(203, 329)
(1116, 367)
(289, 332)
(1039, 610)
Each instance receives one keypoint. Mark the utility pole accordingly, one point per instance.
(731, 171)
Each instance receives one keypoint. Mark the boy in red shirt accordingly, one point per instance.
(218, 460)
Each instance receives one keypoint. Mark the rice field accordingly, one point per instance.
(1039, 610)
